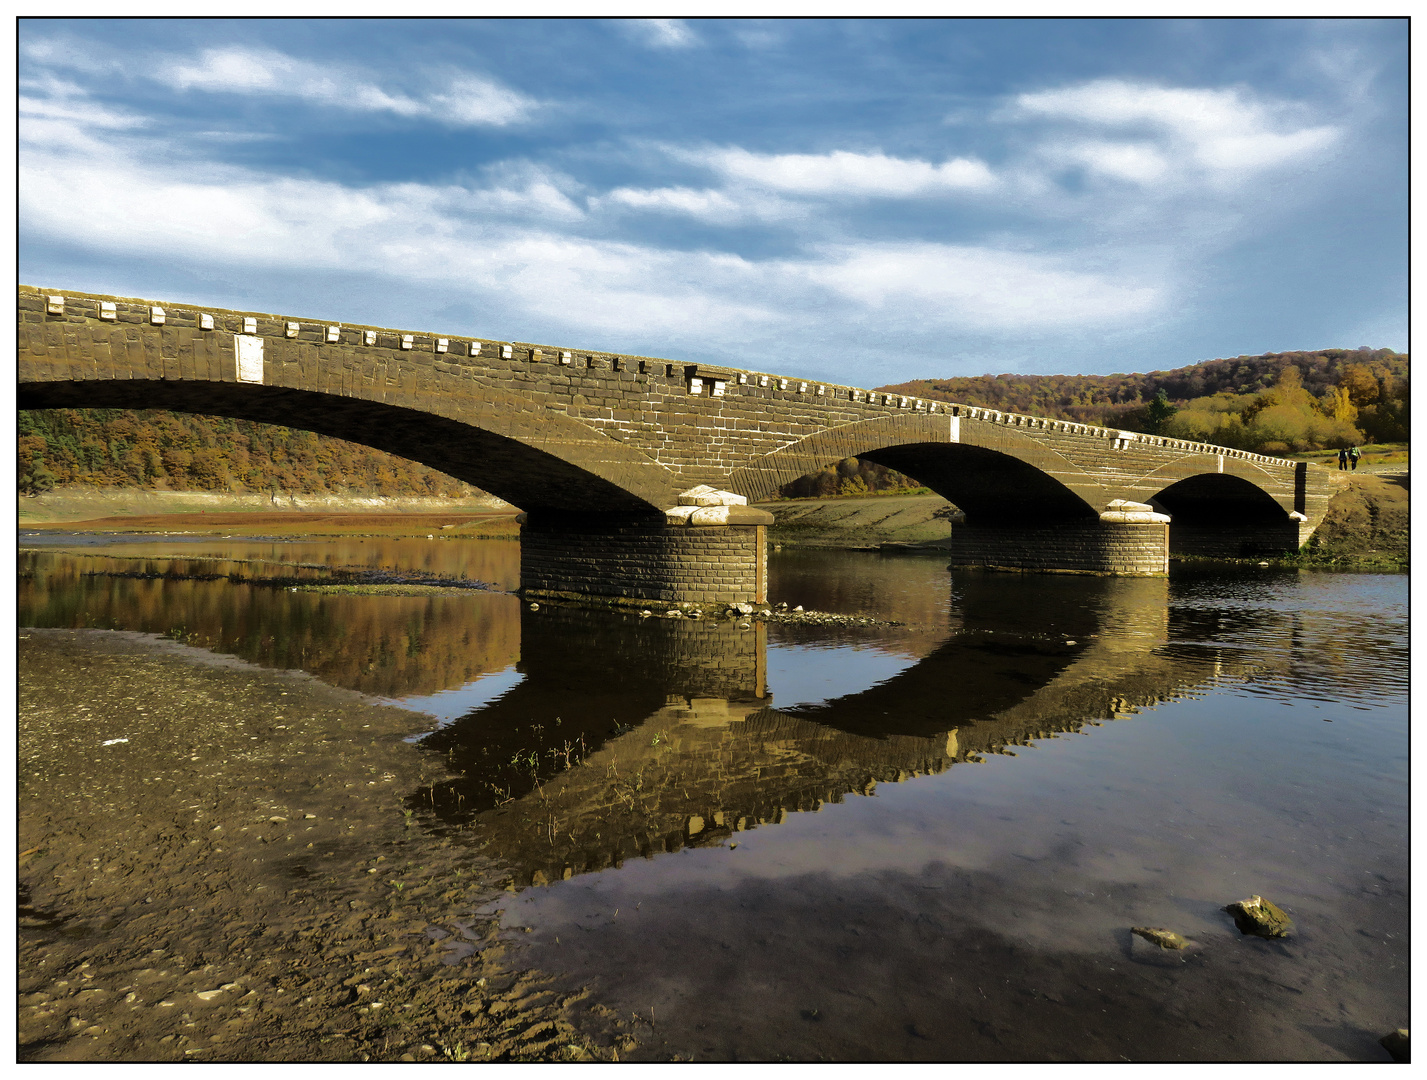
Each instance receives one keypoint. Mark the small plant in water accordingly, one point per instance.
(569, 753)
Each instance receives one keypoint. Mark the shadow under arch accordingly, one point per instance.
(557, 465)
(1221, 514)
(988, 486)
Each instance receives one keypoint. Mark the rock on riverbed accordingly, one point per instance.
(1260, 917)
(1165, 939)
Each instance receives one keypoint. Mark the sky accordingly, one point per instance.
(859, 201)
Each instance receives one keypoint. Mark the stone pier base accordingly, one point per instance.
(1085, 547)
(642, 562)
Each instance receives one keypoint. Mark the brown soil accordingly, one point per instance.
(867, 522)
(1367, 523)
(223, 863)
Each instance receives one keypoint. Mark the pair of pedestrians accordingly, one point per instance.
(1348, 455)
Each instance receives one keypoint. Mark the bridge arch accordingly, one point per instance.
(992, 475)
(558, 465)
(1226, 514)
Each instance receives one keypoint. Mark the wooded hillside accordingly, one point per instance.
(1277, 403)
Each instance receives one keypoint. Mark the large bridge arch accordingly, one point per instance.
(1010, 477)
(558, 466)
(1234, 474)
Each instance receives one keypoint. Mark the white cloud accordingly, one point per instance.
(531, 244)
(1211, 132)
(842, 173)
(146, 204)
(983, 288)
(70, 122)
(503, 246)
(67, 52)
(1139, 162)
(471, 99)
(712, 206)
(519, 191)
(451, 96)
(705, 203)
(77, 111)
(461, 98)
(661, 33)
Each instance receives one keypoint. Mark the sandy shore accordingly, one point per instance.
(221, 863)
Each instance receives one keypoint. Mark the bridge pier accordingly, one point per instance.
(1082, 546)
(695, 555)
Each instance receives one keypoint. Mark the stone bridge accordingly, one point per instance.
(634, 472)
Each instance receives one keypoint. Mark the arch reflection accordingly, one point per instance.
(632, 737)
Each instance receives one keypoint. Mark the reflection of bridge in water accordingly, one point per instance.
(672, 739)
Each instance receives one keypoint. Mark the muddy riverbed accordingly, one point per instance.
(217, 865)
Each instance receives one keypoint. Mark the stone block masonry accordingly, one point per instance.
(1089, 547)
(1208, 542)
(644, 562)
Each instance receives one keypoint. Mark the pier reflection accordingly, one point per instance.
(632, 737)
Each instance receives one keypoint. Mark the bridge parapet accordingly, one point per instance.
(995, 416)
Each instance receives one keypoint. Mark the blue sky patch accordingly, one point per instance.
(862, 201)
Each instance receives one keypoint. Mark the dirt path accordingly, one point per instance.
(217, 863)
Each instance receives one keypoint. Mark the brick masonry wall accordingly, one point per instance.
(1095, 547)
(644, 562)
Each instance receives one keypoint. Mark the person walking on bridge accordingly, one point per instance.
(1343, 459)
(1353, 456)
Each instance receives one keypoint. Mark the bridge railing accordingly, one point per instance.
(973, 412)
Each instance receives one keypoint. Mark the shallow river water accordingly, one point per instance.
(921, 839)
